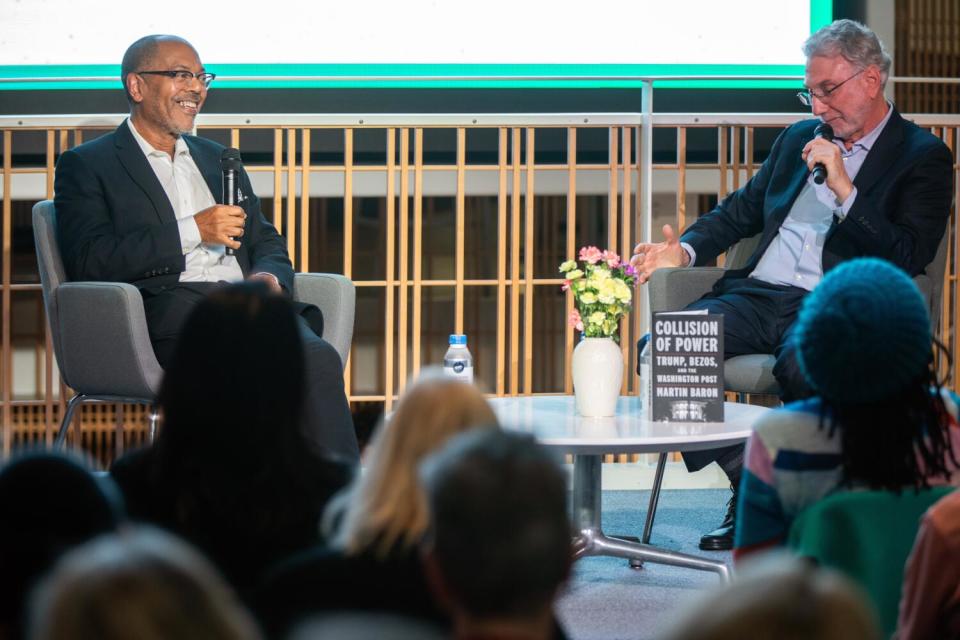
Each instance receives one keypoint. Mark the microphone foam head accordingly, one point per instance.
(230, 159)
(824, 131)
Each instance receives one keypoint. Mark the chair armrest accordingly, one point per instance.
(105, 344)
(336, 297)
(673, 288)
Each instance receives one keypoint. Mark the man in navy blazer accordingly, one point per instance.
(887, 194)
(144, 205)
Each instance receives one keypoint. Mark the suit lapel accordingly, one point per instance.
(207, 159)
(209, 165)
(885, 148)
(798, 177)
(135, 163)
(779, 211)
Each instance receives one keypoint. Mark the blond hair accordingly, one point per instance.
(141, 583)
(779, 597)
(386, 506)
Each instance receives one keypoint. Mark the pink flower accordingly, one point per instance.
(591, 255)
(566, 286)
(611, 258)
(575, 321)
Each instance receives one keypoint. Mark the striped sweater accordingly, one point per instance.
(790, 464)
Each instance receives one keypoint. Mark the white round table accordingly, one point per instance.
(553, 421)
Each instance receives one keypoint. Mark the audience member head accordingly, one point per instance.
(778, 597)
(864, 345)
(385, 507)
(364, 625)
(49, 504)
(231, 444)
(236, 381)
(499, 545)
(142, 584)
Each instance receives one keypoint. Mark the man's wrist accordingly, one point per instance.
(843, 193)
(689, 255)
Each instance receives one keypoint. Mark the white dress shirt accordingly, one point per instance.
(189, 194)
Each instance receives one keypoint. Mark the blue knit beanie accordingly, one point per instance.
(863, 333)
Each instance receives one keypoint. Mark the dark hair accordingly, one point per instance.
(50, 503)
(139, 54)
(231, 452)
(900, 441)
(500, 532)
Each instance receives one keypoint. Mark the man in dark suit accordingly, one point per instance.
(887, 194)
(144, 205)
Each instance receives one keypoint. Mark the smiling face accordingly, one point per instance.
(853, 109)
(165, 108)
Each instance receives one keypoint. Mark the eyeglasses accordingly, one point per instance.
(806, 97)
(182, 76)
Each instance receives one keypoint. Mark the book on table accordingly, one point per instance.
(686, 370)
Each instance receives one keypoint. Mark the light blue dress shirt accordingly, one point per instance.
(795, 255)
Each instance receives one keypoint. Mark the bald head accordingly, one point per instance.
(141, 53)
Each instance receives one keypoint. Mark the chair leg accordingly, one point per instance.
(72, 405)
(152, 421)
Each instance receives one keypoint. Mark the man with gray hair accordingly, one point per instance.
(887, 194)
(499, 546)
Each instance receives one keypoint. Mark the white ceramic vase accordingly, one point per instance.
(597, 374)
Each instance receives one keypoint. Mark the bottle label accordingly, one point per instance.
(459, 370)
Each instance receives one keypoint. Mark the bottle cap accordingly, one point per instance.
(458, 339)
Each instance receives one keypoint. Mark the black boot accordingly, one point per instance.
(721, 538)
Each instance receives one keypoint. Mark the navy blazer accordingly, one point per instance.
(115, 222)
(904, 192)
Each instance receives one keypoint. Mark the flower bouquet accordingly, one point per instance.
(602, 289)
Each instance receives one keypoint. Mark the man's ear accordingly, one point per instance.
(134, 84)
(874, 80)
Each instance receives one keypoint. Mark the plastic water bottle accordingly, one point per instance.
(457, 362)
(646, 377)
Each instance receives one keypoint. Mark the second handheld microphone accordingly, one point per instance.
(231, 165)
(824, 131)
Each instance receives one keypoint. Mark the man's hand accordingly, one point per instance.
(650, 256)
(220, 224)
(269, 278)
(828, 154)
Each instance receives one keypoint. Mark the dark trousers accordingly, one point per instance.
(758, 317)
(326, 414)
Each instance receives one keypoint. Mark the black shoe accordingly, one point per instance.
(721, 538)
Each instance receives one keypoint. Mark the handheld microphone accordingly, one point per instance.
(824, 131)
(230, 165)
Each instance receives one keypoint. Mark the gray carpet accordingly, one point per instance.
(606, 599)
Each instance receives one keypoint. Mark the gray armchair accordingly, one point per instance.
(673, 289)
(99, 330)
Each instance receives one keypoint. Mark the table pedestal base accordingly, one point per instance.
(591, 540)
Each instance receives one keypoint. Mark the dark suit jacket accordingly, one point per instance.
(904, 191)
(115, 222)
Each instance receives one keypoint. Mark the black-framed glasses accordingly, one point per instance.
(182, 76)
(806, 97)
